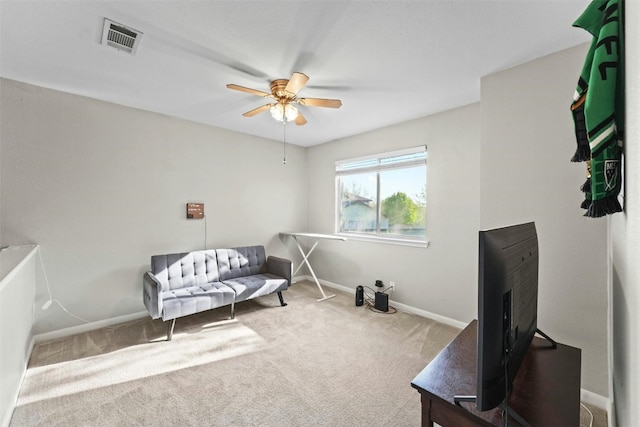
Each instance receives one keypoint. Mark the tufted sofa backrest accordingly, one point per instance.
(243, 261)
(175, 271)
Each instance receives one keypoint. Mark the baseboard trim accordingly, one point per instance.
(586, 396)
(86, 327)
(596, 400)
(400, 306)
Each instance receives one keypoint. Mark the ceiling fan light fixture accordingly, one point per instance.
(277, 111)
(290, 112)
(284, 112)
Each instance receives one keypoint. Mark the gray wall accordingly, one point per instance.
(101, 187)
(625, 249)
(442, 278)
(527, 141)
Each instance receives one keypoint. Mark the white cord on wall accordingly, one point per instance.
(51, 300)
(205, 230)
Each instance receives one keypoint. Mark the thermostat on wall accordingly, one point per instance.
(195, 210)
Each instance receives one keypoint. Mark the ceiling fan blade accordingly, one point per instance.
(320, 102)
(258, 110)
(296, 82)
(300, 120)
(249, 90)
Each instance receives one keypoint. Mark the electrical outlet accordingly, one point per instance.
(393, 286)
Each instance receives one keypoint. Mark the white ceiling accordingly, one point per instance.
(388, 61)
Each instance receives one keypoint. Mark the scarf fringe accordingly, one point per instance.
(586, 187)
(607, 206)
(582, 154)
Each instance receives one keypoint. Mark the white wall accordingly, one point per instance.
(526, 175)
(442, 278)
(625, 248)
(101, 188)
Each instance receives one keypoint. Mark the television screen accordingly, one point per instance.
(507, 308)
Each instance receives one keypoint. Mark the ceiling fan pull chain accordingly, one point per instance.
(284, 141)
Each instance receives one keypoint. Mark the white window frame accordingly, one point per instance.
(375, 163)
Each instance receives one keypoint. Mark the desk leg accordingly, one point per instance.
(305, 259)
(426, 411)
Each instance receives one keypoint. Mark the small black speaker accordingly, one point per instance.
(359, 295)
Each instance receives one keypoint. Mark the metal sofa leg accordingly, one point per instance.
(233, 311)
(170, 329)
(282, 303)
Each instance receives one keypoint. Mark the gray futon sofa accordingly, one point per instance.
(187, 283)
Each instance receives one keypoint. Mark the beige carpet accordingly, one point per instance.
(311, 363)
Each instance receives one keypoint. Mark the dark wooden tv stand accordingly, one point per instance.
(546, 391)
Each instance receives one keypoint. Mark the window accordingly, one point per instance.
(383, 196)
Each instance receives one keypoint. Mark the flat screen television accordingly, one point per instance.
(507, 311)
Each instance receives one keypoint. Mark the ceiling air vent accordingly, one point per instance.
(120, 37)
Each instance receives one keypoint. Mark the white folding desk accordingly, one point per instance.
(305, 257)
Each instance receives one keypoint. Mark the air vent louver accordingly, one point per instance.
(120, 37)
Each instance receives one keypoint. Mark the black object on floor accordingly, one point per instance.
(359, 295)
(382, 301)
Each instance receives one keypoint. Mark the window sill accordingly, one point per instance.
(385, 240)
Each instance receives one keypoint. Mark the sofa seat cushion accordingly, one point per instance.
(193, 299)
(257, 285)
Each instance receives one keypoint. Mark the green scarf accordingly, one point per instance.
(598, 107)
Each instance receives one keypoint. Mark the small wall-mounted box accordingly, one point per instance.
(195, 210)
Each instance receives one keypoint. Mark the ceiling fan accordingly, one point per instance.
(285, 94)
